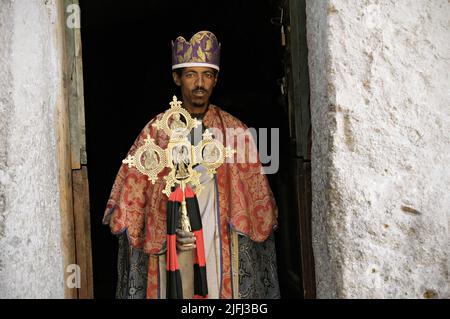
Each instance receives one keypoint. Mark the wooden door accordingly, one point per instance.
(72, 160)
(295, 249)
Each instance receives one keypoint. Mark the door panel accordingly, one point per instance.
(297, 275)
(79, 213)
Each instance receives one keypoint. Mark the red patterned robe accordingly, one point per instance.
(246, 203)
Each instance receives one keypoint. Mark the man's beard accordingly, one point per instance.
(197, 104)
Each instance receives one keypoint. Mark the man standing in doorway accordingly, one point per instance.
(237, 208)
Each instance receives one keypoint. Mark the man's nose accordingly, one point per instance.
(199, 82)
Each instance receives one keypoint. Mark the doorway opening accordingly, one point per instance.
(127, 81)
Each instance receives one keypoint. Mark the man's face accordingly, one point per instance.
(197, 84)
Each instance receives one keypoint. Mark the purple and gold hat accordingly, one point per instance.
(203, 49)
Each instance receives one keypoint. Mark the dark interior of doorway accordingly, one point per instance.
(127, 79)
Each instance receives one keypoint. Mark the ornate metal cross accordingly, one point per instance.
(180, 155)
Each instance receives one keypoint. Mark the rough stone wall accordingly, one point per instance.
(31, 264)
(380, 107)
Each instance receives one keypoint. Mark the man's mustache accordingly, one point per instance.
(199, 90)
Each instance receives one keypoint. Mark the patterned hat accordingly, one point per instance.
(203, 49)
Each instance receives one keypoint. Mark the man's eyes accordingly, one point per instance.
(208, 75)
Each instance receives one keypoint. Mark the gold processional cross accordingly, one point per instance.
(180, 155)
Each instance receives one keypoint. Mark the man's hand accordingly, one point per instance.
(185, 240)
